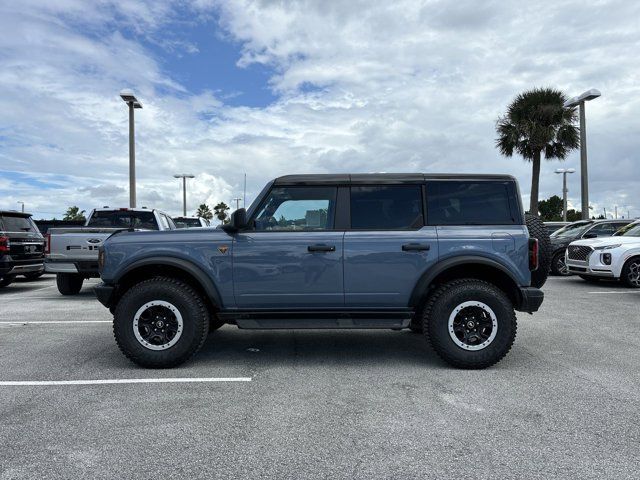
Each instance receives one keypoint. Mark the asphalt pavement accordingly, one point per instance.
(565, 402)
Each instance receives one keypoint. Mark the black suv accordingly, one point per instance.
(560, 239)
(21, 247)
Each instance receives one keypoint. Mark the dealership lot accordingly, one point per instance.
(321, 404)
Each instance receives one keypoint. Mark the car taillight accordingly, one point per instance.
(47, 244)
(533, 254)
(5, 245)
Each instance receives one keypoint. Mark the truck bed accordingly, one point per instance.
(74, 249)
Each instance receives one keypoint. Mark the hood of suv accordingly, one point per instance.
(606, 241)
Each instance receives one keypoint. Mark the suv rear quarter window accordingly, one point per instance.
(388, 207)
(471, 202)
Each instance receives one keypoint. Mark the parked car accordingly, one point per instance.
(21, 247)
(616, 257)
(190, 222)
(555, 226)
(72, 253)
(447, 255)
(560, 239)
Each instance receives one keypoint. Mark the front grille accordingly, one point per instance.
(579, 252)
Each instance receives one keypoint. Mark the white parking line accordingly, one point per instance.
(123, 380)
(46, 322)
(619, 291)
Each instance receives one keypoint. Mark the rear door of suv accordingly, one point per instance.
(387, 246)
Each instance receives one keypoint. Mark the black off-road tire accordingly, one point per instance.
(589, 279)
(538, 230)
(629, 276)
(33, 275)
(6, 280)
(188, 302)
(556, 265)
(69, 283)
(443, 301)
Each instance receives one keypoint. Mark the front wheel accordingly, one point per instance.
(69, 283)
(559, 265)
(160, 323)
(631, 273)
(470, 323)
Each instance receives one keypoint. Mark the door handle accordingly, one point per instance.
(415, 247)
(321, 248)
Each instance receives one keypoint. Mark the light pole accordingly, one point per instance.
(564, 172)
(184, 177)
(237, 200)
(131, 100)
(584, 176)
(22, 205)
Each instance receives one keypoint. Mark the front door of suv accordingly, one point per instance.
(388, 247)
(292, 256)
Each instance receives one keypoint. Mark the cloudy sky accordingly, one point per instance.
(276, 87)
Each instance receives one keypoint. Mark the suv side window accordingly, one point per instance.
(603, 229)
(297, 209)
(392, 207)
(470, 203)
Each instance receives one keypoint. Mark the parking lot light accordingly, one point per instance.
(22, 205)
(184, 177)
(584, 176)
(131, 100)
(564, 172)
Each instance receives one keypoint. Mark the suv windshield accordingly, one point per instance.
(123, 219)
(572, 230)
(16, 223)
(631, 230)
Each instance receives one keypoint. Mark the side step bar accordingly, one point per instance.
(270, 319)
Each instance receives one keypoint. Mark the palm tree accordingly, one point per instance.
(74, 213)
(537, 121)
(220, 211)
(204, 212)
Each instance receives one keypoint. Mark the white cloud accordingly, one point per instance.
(362, 86)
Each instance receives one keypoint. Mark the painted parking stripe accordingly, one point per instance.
(47, 322)
(616, 291)
(122, 381)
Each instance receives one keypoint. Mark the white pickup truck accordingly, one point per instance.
(72, 253)
(616, 257)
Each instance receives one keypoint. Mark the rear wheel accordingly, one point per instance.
(33, 275)
(470, 323)
(559, 265)
(6, 280)
(631, 273)
(69, 283)
(538, 230)
(160, 323)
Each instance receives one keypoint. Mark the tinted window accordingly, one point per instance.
(297, 209)
(394, 207)
(10, 223)
(124, 219)
(182, 222)
(605, 229)
(470, 203)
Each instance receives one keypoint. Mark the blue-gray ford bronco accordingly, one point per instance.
(449, 256)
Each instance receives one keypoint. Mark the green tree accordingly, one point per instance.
(220, 211)
(574, 215)
(74, 213)
(204, 212)
(550, 209)
(537, 122)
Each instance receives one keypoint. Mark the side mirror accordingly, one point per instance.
(590, 235)
(238, 221)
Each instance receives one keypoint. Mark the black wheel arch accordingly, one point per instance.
(467, 266)
(184, 270)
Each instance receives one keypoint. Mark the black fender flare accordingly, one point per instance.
(422, 286)
(189, 267)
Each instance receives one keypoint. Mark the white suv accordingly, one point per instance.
(616, 257)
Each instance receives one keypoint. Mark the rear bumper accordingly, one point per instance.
(18, 267)
(530, 299)
(105, 294)
(88, 268)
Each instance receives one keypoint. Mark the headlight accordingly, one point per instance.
(608, 247)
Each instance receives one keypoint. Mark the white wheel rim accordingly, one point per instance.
(137, 325)
(453, 326)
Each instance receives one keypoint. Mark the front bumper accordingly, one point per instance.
(530, 299)
(105, 294)
(592, 266)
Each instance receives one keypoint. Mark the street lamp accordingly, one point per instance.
(22, 205)
(131, 100)
(564, 172)
(184, 177)
(584, 176)
(237, 200)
